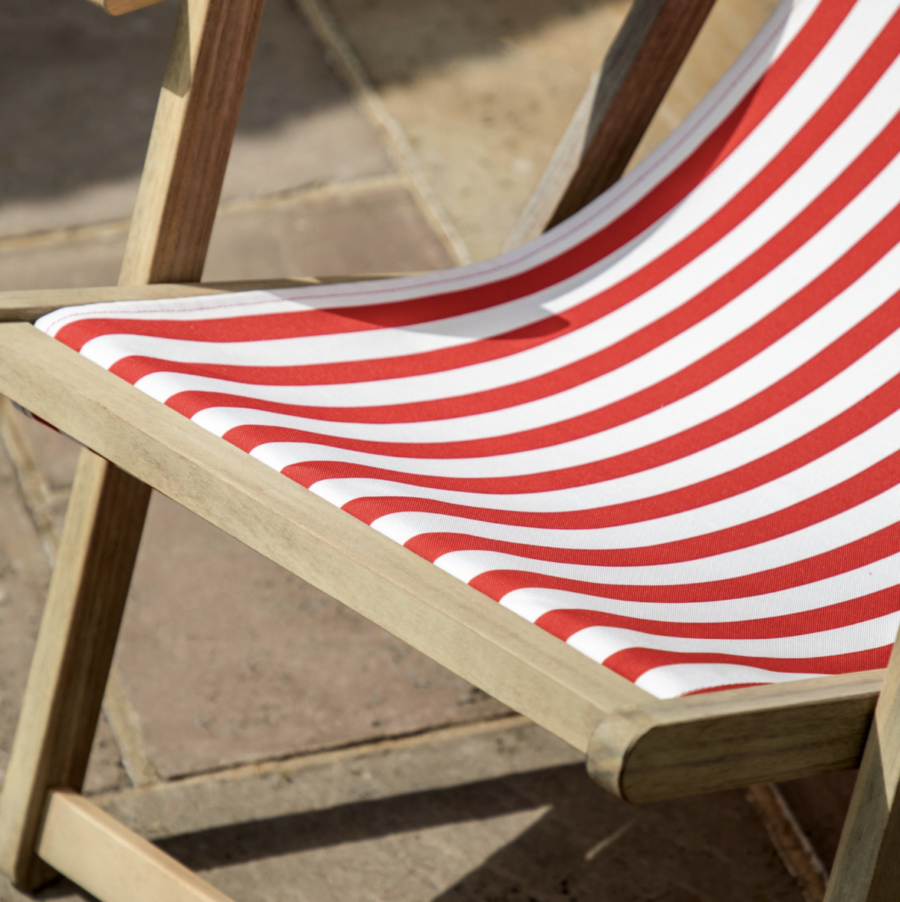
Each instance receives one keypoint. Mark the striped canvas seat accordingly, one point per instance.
(667, 431)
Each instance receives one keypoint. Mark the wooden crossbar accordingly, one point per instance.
(110, 861)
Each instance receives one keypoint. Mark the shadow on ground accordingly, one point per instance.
(80, 87)
(576, 843)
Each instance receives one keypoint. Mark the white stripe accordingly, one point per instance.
(818, 476)
(842, 392)
(843, 145)
(820, 538)
(674, 680)
(759, 372)
(600, 643)
(533, 602)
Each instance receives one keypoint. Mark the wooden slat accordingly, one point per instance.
(867, 864)
(523, 666)
(120, 7)
(29, 305)
(172, 222)
(73, 654)
(191, 140)
(110, 861)
(722, 740)
(641, 64)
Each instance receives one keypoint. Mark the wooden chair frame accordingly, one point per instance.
(636, 746)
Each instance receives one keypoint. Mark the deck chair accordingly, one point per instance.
(638, 478)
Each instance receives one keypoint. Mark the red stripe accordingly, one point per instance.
(566, 623)
(820, 507)
(852, 556)
(632, 663)
(830, 435)
(824, 366)
(780, 77)
(724, 359)
(811, 375)
(720, 688)
(135, 367)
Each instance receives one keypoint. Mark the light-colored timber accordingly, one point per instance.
(30, 304)
(528, 669)
(191, 140)
(639, 747)
(641, 64)
(110, 861)
(177, 199)
(723, 740)
(867, 864)
(120, 7)
(72, 656)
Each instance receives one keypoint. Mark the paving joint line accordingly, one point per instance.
(386, 125)
(352, 750)
(323, 780)
(115, 228)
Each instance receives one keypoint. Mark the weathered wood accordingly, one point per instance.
(532, 671)
(120, 7)
(722, 740)
(177, 200)
(73, 654)
(110, 861)
(191, 141)
(29, 305)
(641, 64)
(867, 864)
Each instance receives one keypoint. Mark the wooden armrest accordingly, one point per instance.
(725, 740)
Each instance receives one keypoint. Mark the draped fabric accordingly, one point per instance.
(667, 431)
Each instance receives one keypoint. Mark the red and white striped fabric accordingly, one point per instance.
(667, 432)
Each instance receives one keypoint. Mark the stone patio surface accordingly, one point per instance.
(258, 730)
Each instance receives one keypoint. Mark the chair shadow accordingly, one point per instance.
(580, 844)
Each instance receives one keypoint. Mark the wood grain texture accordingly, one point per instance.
(511, 659)
(867, 864)
(120, 7)
(168, 239)
(110, 861)
(723, 740)
(641, 64)
(73, 654)
(191, 140)
(31, 304)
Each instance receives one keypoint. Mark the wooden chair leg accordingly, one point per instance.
(867, 866)
(72, 657)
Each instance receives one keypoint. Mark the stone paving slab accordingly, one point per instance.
(485, 92)
(227, 658)
(547, 836)
(374, 227)
(81, 90)
(370, 229)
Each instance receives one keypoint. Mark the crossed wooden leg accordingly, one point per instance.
(72, 657)
(867, 866)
